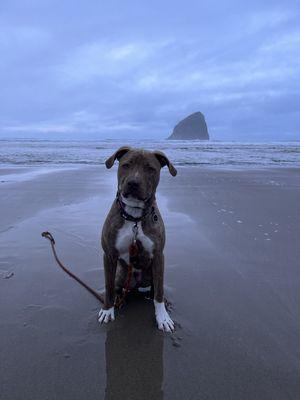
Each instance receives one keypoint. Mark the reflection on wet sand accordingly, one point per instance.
(134, 354)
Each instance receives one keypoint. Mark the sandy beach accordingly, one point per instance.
(232, 276)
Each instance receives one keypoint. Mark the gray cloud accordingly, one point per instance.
(130, 69)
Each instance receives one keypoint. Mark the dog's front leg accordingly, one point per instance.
(163, 319)
(107, 313)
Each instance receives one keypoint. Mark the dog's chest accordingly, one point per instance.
(125, 238)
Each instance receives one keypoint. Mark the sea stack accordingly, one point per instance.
(192, 127)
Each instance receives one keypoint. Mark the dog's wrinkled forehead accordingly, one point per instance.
(141, 160)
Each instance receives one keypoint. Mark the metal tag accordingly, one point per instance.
(135, 230)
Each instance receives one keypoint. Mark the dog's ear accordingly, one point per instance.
(117, 155)
(163, 159)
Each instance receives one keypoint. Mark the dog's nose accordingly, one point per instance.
(133, 184)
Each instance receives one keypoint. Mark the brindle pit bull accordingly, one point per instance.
(135, 205)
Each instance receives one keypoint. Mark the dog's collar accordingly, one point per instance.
(146, 210)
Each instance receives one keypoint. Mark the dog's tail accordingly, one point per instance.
(98, 296)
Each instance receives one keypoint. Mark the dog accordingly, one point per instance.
(134, 218)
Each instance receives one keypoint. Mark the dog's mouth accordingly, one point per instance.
(131, 201)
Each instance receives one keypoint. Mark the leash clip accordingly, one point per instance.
(135, 230)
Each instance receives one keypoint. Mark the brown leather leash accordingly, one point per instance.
(133, 251)
(98, 296)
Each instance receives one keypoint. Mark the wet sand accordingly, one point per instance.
(232, 275)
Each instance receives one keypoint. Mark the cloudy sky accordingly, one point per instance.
(133, 68)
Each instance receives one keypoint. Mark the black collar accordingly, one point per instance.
(147, 210)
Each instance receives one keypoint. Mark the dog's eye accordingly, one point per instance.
(151, 169)
(125, 166)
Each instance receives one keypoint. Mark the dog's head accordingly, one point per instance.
(139, 172)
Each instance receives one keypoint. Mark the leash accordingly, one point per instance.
(98, 296)
(133, 251)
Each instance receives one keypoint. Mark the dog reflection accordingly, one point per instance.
(134, 354)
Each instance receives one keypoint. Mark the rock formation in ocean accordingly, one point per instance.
(191, 128)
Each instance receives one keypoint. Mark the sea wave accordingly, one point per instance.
(204, 153)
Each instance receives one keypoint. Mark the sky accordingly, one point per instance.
(133, 69)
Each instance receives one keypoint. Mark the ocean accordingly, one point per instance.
(181, 152)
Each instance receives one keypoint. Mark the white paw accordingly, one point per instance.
(163, 319)
(106, 315)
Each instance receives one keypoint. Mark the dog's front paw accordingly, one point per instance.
(163, 319)
(106, 315)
